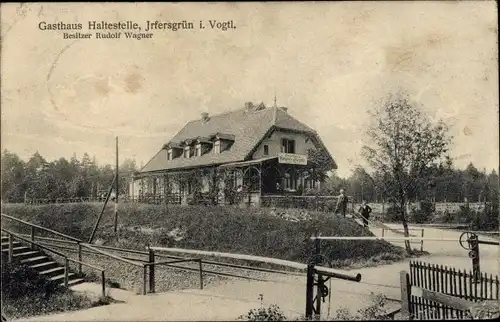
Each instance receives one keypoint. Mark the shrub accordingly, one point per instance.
(26, 293)
(392, 214)
(424, 213)
(272, 313)
(20, 280)
(376, 311)
(486, 219)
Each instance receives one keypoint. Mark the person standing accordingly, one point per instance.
(365, 211)
(342, 201)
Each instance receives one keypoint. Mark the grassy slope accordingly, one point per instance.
(25, 293)
(226, 229)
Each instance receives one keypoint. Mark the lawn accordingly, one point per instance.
(252, 231)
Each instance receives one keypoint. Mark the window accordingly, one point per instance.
(287, 146)
(186, 152)
(169, 154)
(217, 146)
(198, 150)
(266, 150)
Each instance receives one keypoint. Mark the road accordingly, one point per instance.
(228, 300)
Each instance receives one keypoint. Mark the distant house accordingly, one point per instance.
(249, 152)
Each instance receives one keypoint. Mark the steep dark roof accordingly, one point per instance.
(247, 126)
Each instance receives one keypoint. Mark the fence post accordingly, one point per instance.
(66, 269)
(319, 287)
(422, 241)
(201, 274)
(405, 296)
(11, 248)
(79, 258)
(151, 271)
(103, 284)
(32, 237)
(144, 279)
(309, 291)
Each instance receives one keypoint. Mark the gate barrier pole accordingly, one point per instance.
(151, 271)
(422, 241)
(318, 260)
(309, 291)
(474, 254)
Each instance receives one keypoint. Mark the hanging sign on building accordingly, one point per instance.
(291, 158)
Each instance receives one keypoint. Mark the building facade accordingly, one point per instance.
(234, 157)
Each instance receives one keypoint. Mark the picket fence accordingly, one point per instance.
(459, 283)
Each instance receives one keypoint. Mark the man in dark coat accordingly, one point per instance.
(365, 211)
(342, 203)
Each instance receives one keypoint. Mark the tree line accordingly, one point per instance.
(62, 178)
(83, 177)
(442, 183)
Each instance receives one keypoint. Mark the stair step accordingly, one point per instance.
(14, 244)
(27, 254)
(34, 259)
(16, 249)
(74, 282)
(52, 271)
(61, 277)
(44, 265)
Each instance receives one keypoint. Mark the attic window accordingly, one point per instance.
(287, 146)
(217, 146)
(266, 149)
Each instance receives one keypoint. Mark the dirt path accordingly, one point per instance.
(228, 300)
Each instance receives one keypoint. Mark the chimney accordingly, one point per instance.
(204, 116)
(248, 105)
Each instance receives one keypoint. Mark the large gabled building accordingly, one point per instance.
(255, 151)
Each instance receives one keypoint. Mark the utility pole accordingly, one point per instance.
(116, 188)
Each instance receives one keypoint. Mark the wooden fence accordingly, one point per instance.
(449, 281)
(318, 203)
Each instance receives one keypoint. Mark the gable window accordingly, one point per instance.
(198, 150)
(217, 146)
(287, 146)
(186, 152)
(266, 149)
(169, 154)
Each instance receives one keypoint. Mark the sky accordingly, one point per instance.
(329, 63)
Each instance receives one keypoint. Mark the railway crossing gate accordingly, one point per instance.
(317, 276)
(470, 241)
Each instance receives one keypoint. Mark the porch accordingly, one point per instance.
(233, 183)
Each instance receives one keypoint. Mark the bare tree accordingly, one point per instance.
(404, 143)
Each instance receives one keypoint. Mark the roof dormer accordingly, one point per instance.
(222, 142)
(174, 150)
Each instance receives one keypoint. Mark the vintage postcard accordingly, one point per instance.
(253, 161)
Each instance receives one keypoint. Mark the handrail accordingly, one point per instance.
(42, 228)
(71, 249)
(34, 243)
(111, 255)
(85, 264)
(172, 262)
(51, 239)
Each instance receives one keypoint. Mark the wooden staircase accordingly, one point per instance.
(39, 261)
